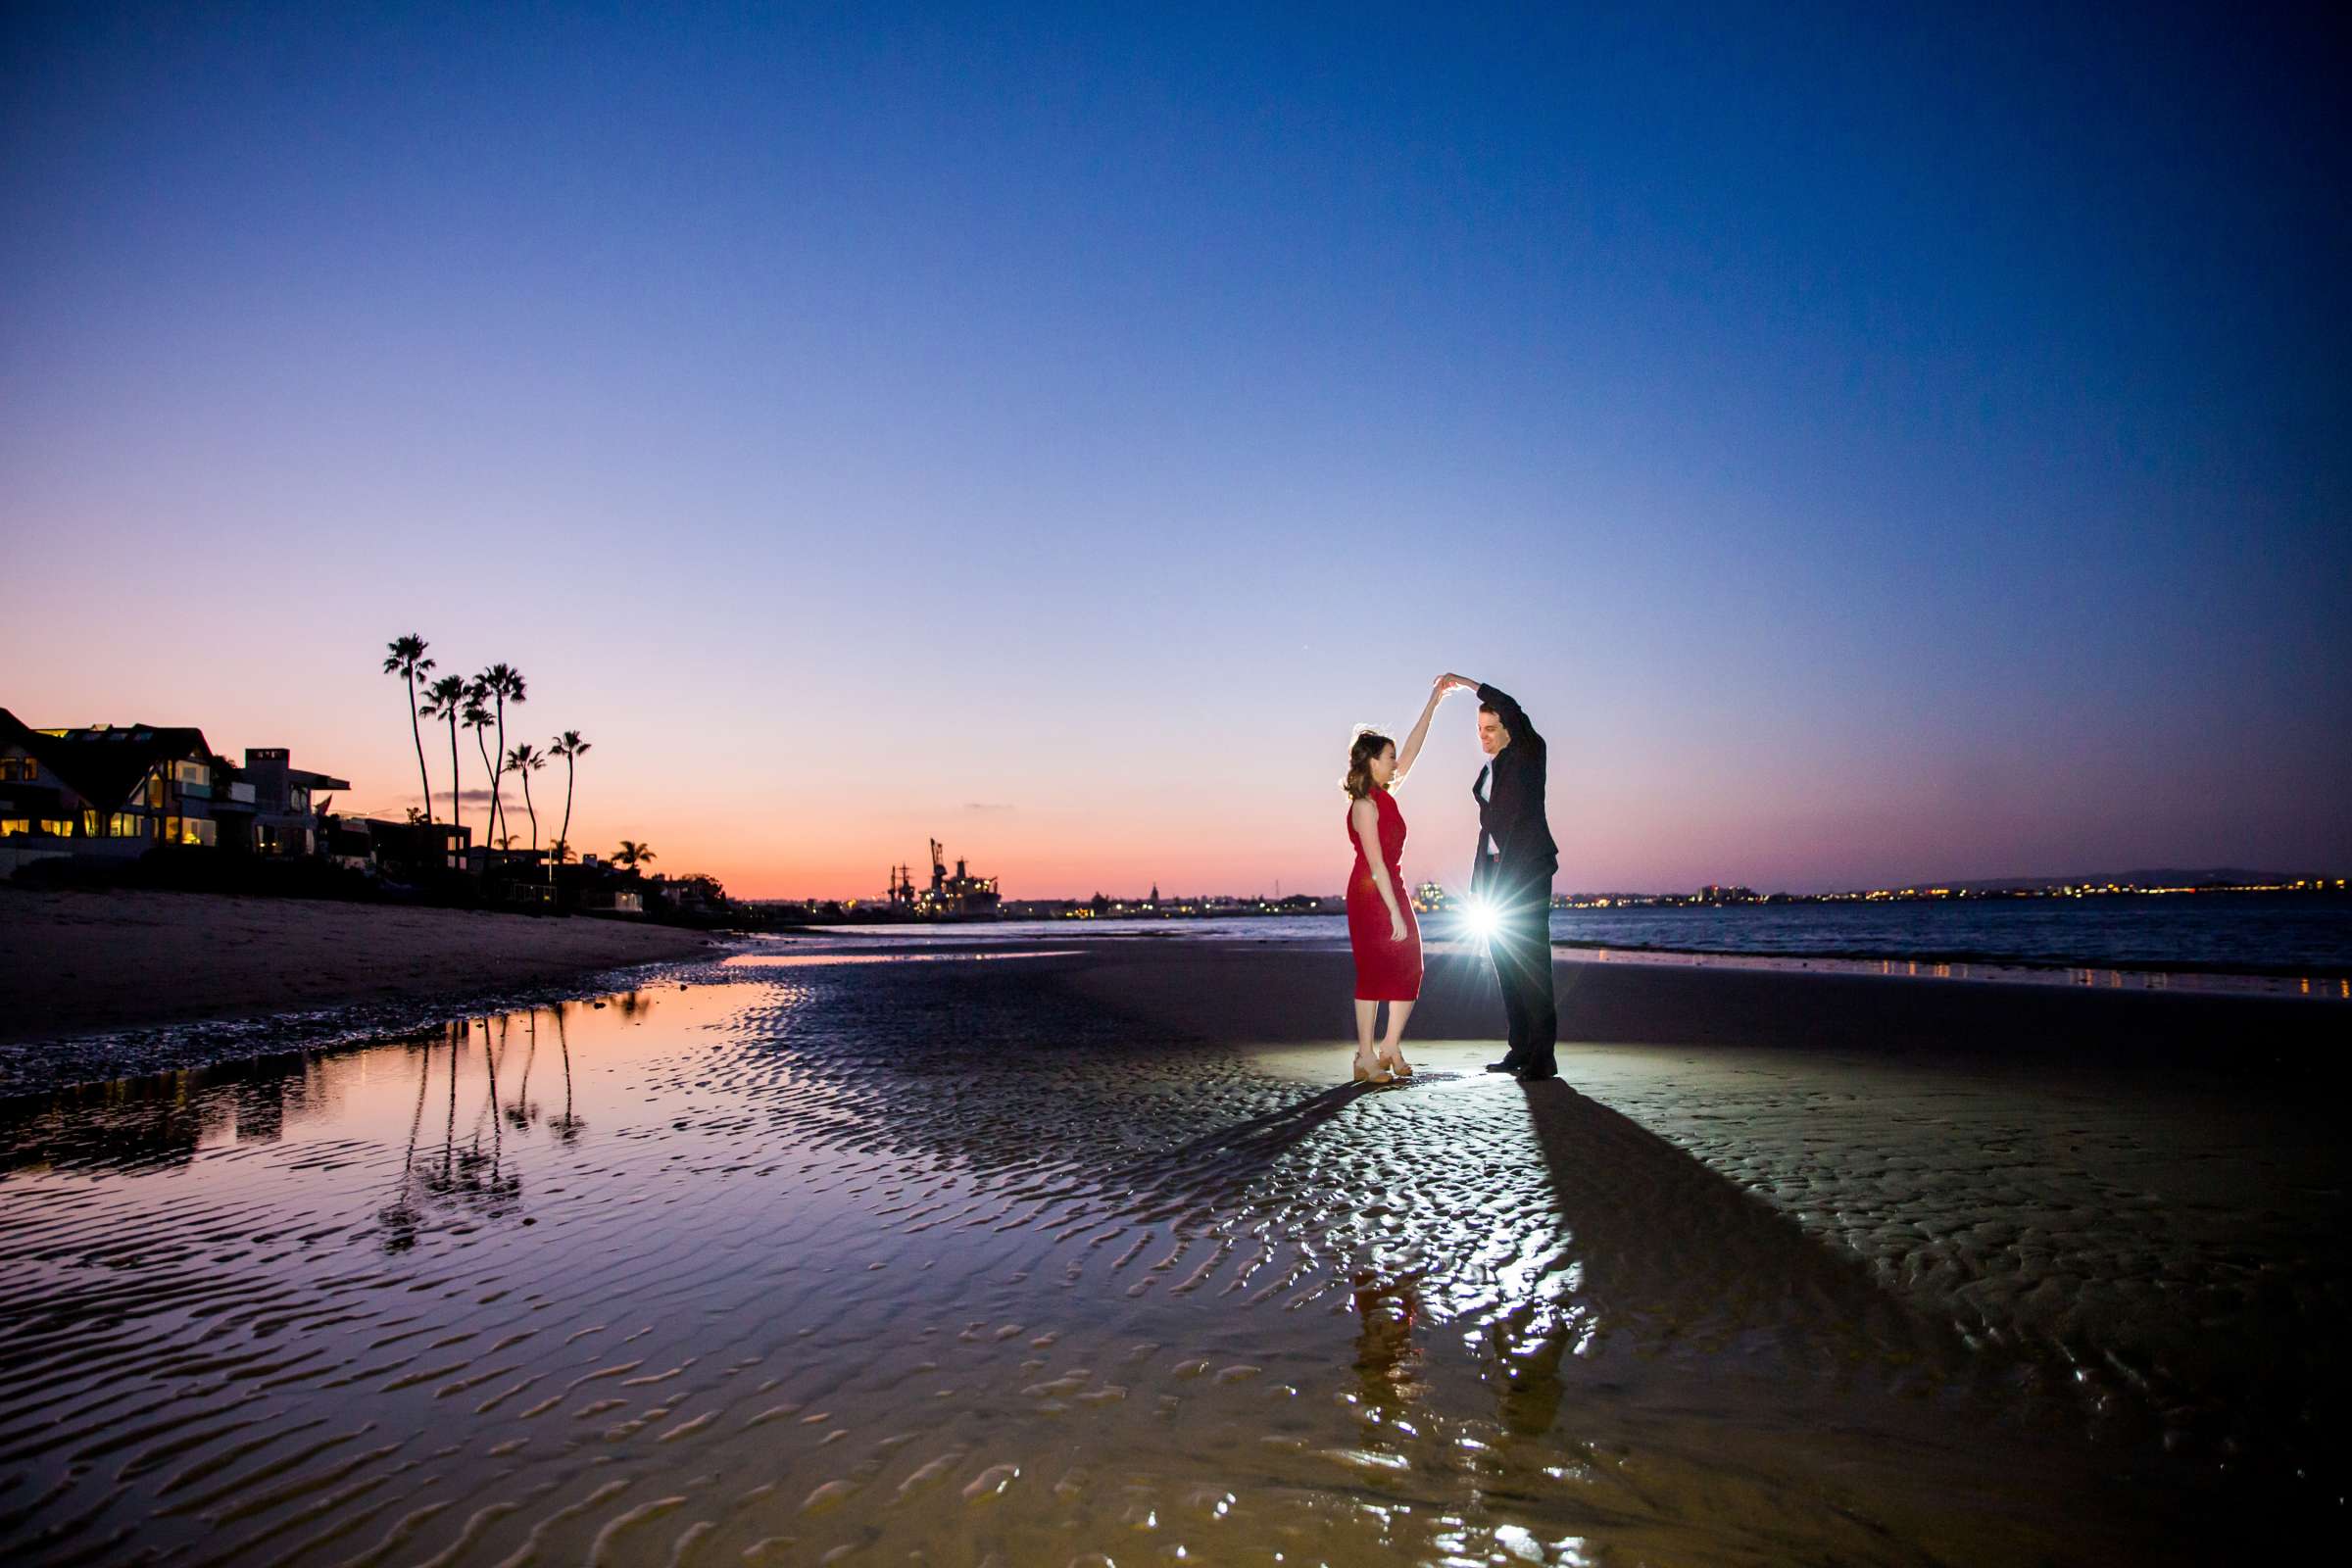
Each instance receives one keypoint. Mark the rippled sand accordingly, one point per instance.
(1075, 1258)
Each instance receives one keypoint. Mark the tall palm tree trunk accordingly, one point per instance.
(497, 770)
(564, 837)
(483, 741)
(457, 804)
(417, 733)
(528, 807)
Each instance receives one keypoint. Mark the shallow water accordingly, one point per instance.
(943, 1262)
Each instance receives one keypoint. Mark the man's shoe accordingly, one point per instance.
(1511, 1068)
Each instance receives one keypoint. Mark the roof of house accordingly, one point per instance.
(13, 731)
(104, 764)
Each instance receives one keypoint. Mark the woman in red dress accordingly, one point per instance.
(1381, 928)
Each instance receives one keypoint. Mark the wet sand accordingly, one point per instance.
(79, 964)
(1084, 1257)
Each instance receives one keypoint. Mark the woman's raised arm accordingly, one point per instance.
(1411, 747)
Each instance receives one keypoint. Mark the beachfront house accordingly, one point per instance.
(401, 850)
(108, 790)
(281, 801)
(118, 790)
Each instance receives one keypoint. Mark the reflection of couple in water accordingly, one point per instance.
(1510, 886)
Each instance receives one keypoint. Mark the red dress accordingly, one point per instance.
(1384, 970)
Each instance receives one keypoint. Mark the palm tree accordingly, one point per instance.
(446, 698)
(405, 657)
(526, 759)
(632, 853)
(477, 720)
(569, 746)
(501, 683)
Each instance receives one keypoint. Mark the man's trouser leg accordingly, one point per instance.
(1514, 1002)
(1528, 994)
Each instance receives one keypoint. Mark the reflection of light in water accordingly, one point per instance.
(807, 960)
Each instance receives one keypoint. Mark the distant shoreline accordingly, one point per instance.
(2251, 979)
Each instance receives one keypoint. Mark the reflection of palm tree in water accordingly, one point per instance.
(441, 1183)
(522, 1113)
(467, 1177)
(485, 1181)
(567, 1126)
(402, 1216)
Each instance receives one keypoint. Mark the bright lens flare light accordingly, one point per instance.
(1480, 919)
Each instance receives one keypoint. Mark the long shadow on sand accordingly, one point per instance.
(1674, 1256)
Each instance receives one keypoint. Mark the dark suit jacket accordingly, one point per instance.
(1511, 815)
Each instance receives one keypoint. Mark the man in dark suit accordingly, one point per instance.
(1512, 878)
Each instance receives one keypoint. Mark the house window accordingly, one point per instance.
(9, 773)
(57, 827)
(126, 825)
(13, 826)
(188, 830)
(89, 822)
(195, 773)
(298, 800)
(31, 769)
(155, 788)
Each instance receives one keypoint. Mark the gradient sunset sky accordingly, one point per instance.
(1876, 443)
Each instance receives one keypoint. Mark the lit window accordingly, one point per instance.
(191, 773)
(13, 826)
(126, 825)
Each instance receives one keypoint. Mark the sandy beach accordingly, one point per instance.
(80, 963)
(1088, 1253)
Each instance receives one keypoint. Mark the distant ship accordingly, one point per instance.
(961, 897)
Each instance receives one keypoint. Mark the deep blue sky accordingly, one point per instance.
(1875, 446)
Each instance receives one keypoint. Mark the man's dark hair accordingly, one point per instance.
(1490, 708)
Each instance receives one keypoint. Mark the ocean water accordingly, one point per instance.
(2238, 934)
(2251, 933)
